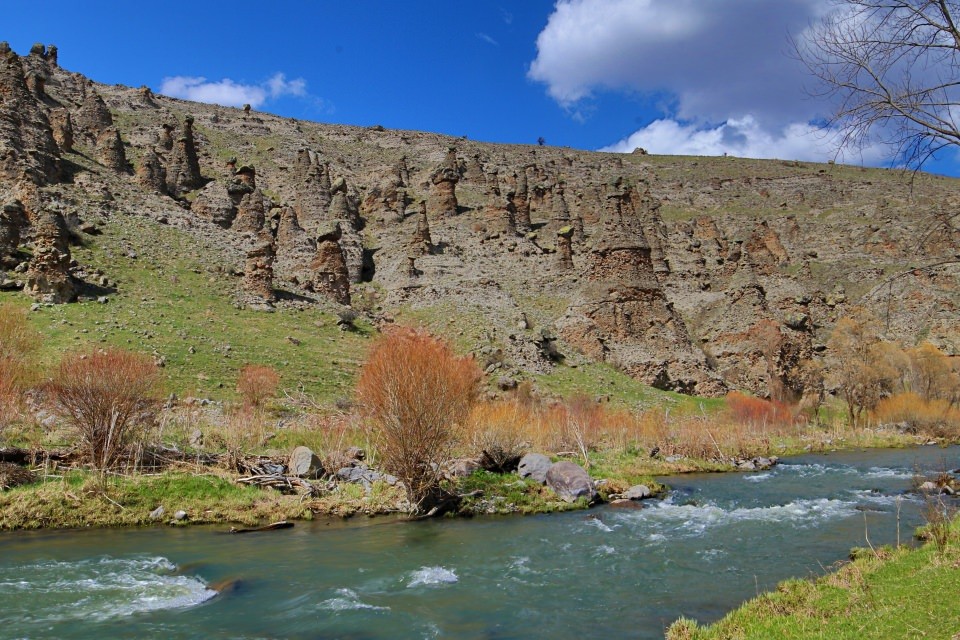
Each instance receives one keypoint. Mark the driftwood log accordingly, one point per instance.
(283, 524)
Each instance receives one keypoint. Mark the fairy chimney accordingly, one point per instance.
(48, 276)
(421, 243)
(93, 117)
(110, 152)
(521, 202)
(442, 202)
(258, 271)
(565, 248)
(151, 173)
(330, 275)
(183, 167)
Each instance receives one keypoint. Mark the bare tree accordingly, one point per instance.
(892, 70)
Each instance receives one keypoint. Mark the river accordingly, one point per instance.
(717, 540)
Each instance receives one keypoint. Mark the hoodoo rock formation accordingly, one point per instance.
(697, 275)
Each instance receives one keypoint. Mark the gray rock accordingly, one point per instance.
(638, 492)
(157, 513)
(928, 487)
(362, 474)
(180, 515)
(196, 438)
(534, 466)
(304, 463)
(462, 468)
(355, 453)
(570, 482)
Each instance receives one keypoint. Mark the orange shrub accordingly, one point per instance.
(754, 411)
(256, 383)
(934, 417)
(17, 343)
(105, 394)
(416, 392)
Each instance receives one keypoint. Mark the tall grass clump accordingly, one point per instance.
(107, 397)
(416, 393)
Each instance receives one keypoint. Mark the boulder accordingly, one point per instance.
(362, 474)
(304, 463)
(462, 468)
(570, 481)
(534, 466)
(638, 492)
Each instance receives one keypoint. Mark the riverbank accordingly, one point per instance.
(883, 593)
(183, 494)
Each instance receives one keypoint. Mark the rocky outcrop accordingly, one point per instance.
(330, 275)
(565, 248)
(442, 202)
(250, 215)
(214, 204)
(28, 150)
(258, 270)
(421, 243)
(110, 152)
(151, 172)
(624, 316)
(61, 124)
(295, 249)
(93, 118)
(312, 189)
(48, 276)
(183, 165)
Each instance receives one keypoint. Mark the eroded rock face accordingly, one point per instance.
(312, 199)
(295, 249)
(331, 277)
(12, 221)
(28, 150)
(62, 125)
(215, 204)
(93, 118)
(625, 317)
(48, 276)
(250, 213)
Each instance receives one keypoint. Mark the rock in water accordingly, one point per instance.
(638, 492)
(534, 466)
(570, 481)
(304, 463)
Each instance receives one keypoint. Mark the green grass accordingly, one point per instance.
(175, 300)
(79, 499)
(594, 379)
(508, 493)
(895, 594)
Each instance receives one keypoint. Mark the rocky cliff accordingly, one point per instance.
(692, 274)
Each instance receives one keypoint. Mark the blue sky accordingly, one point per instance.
(673, 76)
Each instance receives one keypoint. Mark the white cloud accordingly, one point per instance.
(743, 137)
(488, 39)
(228, 93)
(701, 63)
(716, 60)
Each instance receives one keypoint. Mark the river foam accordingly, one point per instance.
(96, 589)
(432, 576)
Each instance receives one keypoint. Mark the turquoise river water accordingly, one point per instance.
(716, 541)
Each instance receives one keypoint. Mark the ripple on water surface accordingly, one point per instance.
(95, 589)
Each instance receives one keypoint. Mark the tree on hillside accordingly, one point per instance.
(862, 367)
(892, 69)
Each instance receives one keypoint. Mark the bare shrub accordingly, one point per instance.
(257, 383)
(497, 433)
(106, 396)
(416, 393)
(18, 341)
